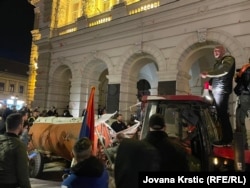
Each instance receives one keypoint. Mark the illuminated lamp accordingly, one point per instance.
(206, 93)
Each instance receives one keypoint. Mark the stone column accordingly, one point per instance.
(182, 86)
(113, 98)
(41, 90)
(119, 10)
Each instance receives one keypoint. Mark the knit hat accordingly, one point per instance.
(156, 121)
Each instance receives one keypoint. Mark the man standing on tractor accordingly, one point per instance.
(242, 90)
(222, 85)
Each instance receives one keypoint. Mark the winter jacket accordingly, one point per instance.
(222, 75)
(173, 158)
(133, 157)
(89, 173)
(14, 167)
(243, 81)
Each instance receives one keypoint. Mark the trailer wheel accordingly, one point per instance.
(36, 164)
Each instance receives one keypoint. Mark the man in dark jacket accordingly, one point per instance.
(134, 156)
(118, 125)
(172, 157)
(88, 172)
(242, 90)
(222, 86)
(14, 169)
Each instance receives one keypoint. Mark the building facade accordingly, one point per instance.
(13, 83)
(130, 48)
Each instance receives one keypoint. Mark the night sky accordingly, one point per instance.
(17, 20)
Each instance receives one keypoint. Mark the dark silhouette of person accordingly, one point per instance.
(134, 156)
(172, 156)
(242, 90)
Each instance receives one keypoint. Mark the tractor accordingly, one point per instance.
(192, 123)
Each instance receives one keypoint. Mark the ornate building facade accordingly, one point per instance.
(129, 48)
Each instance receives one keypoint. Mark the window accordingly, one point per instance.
(12, 88)
(21, 89)
(1, 86)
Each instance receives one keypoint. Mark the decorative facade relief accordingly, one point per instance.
(202, 34)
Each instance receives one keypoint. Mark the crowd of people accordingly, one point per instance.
(32, 114)
(14, 138)
(155, 153)
(89, 171)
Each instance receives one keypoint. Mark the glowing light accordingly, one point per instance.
(206, 93)
(216, 161)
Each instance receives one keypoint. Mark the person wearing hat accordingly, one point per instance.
(89, 171)
(172, 157)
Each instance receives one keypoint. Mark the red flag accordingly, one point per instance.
(88, 123)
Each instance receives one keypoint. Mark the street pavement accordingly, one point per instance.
(51, 177)
(39, 183)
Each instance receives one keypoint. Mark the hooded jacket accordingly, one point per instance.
(89, 173)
